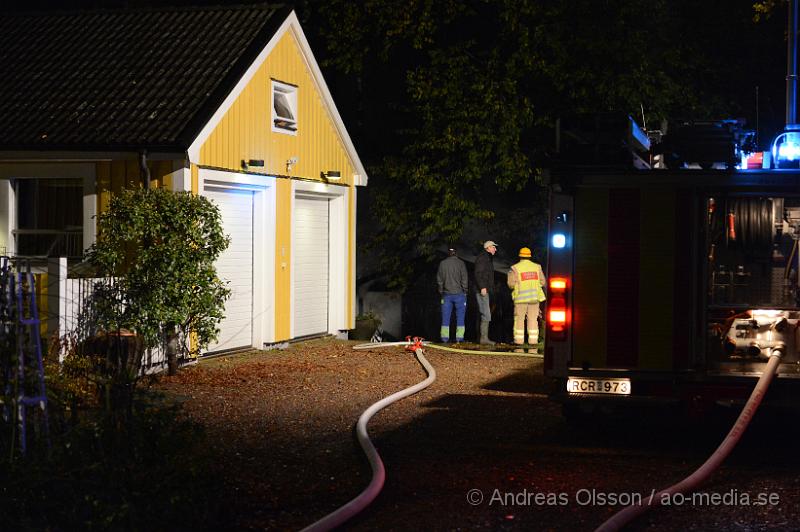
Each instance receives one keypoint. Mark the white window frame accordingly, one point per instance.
(8, 200)
(290, 94)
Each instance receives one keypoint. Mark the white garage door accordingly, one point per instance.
(235, 265)
(310, 265)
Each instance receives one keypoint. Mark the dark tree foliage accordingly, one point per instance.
(453, 103)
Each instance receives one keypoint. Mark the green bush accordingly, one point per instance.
(162, 246)
(118, 458)
(153, 475)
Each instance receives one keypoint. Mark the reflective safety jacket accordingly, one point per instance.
(526, 279)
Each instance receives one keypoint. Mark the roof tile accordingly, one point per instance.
(123, 79)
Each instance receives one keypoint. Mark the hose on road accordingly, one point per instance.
(628, 514)
(356, 505)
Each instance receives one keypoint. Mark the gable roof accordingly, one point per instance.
(290, 25)
(123, 79)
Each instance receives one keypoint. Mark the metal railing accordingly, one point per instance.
(42, 243)
(69, 313)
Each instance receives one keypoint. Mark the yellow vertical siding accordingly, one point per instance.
(283, 251)
(103, 185)
(40, 280)
(245, 132)
(113, 176)
(158, 174)
(195, 179)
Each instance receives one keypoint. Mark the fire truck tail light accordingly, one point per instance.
(557, 319)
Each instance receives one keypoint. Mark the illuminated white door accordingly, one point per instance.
(311, 265)
(235, 265)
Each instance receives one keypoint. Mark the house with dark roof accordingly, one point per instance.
(226, 102)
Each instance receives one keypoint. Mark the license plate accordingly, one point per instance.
(601, 386)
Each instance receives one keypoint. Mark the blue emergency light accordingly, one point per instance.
(559, 240)
(786, 147)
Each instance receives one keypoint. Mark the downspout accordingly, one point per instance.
(144, 171)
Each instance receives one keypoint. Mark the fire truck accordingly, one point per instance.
(674, 273)
(672, 283)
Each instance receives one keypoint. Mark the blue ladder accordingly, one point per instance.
(28, 342)
(7, 329)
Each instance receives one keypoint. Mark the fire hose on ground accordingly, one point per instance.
(356, 505)
(452, 349)
(363, 499)
(628, 514)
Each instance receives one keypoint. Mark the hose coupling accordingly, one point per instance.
(778, 350)
(414, 343)
(780, 324)
(754, 349)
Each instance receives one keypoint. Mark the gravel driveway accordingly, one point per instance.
(481, 449)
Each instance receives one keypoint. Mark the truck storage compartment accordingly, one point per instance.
(751, 276)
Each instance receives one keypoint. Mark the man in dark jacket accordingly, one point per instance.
(484, 283)
(453, 282)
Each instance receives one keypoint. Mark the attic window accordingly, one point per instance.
(284, 108)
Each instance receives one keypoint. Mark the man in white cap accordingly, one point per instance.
(484, 283)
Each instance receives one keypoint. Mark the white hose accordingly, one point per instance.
(357, 504)
(374, 345)
(628, 514)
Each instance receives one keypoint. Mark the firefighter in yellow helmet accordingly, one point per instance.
(526, 280)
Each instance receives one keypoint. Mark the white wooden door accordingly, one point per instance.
(235, 265)
(311, 265)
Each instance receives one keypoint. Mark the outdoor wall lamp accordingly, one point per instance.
(252, 162)
(290, 163)
(331, 174)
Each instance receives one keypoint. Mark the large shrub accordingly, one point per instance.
(161, 246)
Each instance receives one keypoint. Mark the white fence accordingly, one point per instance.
(68, 311)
